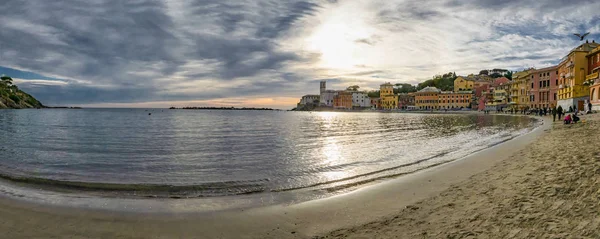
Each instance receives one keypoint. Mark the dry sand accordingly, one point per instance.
(549, 190)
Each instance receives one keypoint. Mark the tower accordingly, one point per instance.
(323, 86)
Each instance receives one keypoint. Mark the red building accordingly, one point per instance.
(544, 85)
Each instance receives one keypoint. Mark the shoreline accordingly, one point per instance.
(300, 220)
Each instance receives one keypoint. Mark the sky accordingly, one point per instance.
(162, 53)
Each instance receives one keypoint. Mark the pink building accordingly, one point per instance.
(544, 87)
(481, 94)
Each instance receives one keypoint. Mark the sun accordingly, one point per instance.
(335, 40)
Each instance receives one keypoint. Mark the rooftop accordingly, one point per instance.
(430, 89)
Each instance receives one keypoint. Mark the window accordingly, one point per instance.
(531, 84)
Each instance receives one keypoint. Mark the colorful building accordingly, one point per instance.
(427, 98)
(463, 84)
(572, 70)
(519, 89)
(388, 99)
(375, 102)
(406, 101)
(342, 100)
(454, 100)
(544, 87)
(593, 78)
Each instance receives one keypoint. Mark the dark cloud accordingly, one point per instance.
(126, 49)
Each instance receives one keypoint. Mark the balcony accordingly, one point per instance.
(570, 64)
(592, 76)
(568, 75)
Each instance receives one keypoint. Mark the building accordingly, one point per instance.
(406, 101)
(572, 72)
(499, 102)
(326, 96)
(482, 94)
(309, 99)
(387, 98)
(342, 100)
(519, 89)
(360, 99)
(593, 78)
(375, 102)
(454, 100)
(543, 88)
(463, 84)
(427, 98)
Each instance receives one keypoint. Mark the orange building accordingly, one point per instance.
(343, 100)
(454, 100)
(427, 98)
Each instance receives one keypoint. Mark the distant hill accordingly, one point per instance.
(13, 98)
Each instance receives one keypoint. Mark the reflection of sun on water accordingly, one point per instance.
(331, 151)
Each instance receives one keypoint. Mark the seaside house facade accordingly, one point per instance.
(406, 101)
(544, 86)
(427, 98)
(342, 100)
(326, 96)
(454, 100)
(519, 92)
(593, 78)
(387, 98)
(572, 70)
(360, 99)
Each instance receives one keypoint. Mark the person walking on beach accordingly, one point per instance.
(553, 114)
(559, 111)
(590, 107)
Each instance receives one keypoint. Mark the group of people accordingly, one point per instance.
(569, 118)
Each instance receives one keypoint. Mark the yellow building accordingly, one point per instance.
(427, 98)
(519, 89)
(388, 99)
(463, 84)
(593, 78)
(572, 72)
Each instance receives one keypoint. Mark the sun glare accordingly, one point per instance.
(335, 39)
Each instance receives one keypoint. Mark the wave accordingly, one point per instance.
(212, 189)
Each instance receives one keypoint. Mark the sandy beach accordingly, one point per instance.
(549, 190)
(538, 185)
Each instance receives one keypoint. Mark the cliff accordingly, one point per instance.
(13, 98)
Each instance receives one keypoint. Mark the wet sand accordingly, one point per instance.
(482, 195)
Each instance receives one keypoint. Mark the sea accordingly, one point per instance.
(173, 154)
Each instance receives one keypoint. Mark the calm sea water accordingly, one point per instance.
(198, 153)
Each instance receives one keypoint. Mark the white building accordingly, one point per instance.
(360, 99)
(309, 99)
(326, 96)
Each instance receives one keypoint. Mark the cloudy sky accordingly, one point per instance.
(158, 53)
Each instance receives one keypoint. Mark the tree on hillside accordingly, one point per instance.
(404, 88)
(373, 94)
(508, 75)
(353, 88)
(496, 75)
(484, 72)
(6, 80)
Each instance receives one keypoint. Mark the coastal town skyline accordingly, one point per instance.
(162, 54)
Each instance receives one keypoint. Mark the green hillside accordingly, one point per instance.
(13, 98)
